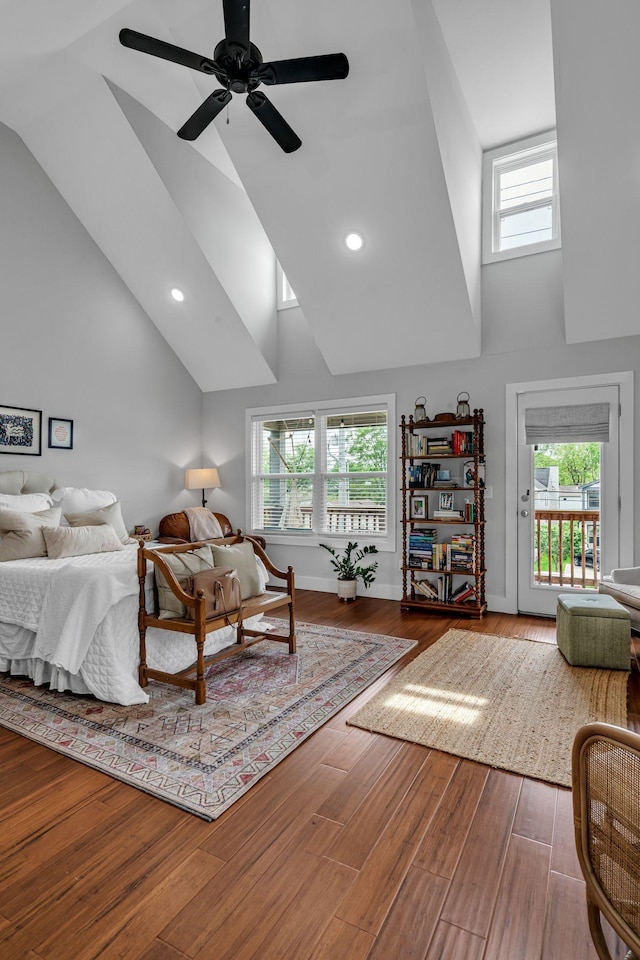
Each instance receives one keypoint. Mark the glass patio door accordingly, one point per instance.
(568, 496)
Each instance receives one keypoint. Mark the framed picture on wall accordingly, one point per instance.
(20, 431)
(60, 433)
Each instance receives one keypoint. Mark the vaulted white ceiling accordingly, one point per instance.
(394, 151)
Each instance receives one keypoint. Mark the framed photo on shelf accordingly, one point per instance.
(60, 433)
(419, 507)
(445, 501)
(20, 431)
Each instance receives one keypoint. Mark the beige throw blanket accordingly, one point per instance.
(203, 525)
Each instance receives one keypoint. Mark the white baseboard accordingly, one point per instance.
(383, 591)
(386, 591)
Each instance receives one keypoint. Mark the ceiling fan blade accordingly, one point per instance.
(236, 21)
(330, 66)
(167, 51)
(206, 112)
(273, 121)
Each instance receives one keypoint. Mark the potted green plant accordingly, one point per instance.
(346, 563)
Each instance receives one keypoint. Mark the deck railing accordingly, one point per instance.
(566, 548)
(352, 518)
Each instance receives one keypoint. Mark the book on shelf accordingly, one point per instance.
(462, 542)
(463, 592)
(423, 446)
(469, 594)
(447, 515)
(462, 442)
(423, 534)
(423, 475)
(439, 591)
(443, 590)
(445, 583)
(429, 556)
(426, 588)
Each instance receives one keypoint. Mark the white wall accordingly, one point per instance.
(522, 341)
(75, 344)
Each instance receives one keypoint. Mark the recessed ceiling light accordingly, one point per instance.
(177, 294)
(354, 241)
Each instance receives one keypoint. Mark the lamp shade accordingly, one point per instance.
(205, 478)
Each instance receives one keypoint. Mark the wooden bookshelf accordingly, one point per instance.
(443, 515)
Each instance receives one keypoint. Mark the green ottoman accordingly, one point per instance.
(593, 631)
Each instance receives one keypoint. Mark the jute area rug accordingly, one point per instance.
(260, 705)
(510, 703)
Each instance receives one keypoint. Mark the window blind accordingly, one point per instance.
(576, 423)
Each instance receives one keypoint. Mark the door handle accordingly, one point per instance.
(524, 513)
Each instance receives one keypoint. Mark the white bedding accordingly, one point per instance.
(73, 624)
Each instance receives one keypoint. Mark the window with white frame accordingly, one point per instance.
(286, 297)
(323, 470)
(521, 212)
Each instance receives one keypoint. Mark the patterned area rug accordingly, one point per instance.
(260, 705)
(513, 704)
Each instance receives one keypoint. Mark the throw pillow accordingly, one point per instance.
(81, 499)
(26, 502)
(78, 541)
(241, 557)
(182, 565)
(22, 533)
(111, 514)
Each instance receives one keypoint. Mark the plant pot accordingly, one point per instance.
(347, 590)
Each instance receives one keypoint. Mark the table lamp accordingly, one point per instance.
(205, 478)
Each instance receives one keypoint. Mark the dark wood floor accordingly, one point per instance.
(355, 846)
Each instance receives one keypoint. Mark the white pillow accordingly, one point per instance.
(22, 533)
(111, 514)
(26, 502)
(81, 499)
(78, 541)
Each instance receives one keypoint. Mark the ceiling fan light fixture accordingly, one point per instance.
(354, 241)
(177, 294)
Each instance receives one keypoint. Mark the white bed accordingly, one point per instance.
(72, 623)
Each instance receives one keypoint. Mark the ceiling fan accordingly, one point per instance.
(237, 64)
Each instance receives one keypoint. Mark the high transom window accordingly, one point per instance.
(285, 295)
(324, 470)
(521, 210)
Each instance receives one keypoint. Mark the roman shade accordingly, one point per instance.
(576, 423)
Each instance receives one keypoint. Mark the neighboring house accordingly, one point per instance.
(591, 495)
(550, 495)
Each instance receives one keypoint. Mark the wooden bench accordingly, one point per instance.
(193, 677)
